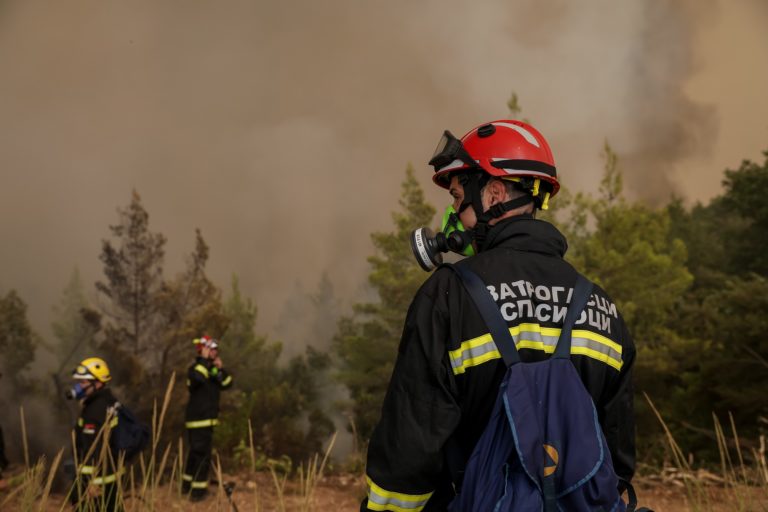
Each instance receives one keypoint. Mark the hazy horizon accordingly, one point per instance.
(283, 130)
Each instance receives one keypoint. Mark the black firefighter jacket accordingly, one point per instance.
(447, 373)
(96, 466)
(205, 383)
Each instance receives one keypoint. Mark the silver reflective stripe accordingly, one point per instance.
(532, 336)
(528, 136)
(381, 499)
(597, 347)
(474, 353)
(456, 164)
(389, 502)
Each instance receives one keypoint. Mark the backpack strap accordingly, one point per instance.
(631, 497)
(490, 313)
(505, 344)
(579, 299)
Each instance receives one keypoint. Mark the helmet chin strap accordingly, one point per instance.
(472, 188)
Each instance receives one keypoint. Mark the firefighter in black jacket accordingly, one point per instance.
(205, 379)
(448, 370)
(3, 459)
(96, 483)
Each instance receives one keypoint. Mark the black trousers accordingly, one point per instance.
(195, 477)
(3, 460)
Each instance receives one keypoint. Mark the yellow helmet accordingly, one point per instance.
(92, 368)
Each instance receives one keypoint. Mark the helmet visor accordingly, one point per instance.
(82, 373)
(448, 150)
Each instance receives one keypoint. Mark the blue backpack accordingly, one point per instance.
(543, 448)
(129, 436)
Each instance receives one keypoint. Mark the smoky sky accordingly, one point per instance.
(282, 129)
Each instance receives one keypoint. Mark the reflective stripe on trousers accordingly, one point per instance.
(202, 423)
(99, 480)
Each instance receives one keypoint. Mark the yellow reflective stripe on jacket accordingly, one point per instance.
(202, 369)
(381, 499)
(201, 423)
(479, 350)
(80, 422)
(186, 477)
(226, 381)
(113, 423)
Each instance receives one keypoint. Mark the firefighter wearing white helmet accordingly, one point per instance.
(205, 380)
(96, 483)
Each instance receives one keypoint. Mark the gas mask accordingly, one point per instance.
(76, 392)
(428, 247)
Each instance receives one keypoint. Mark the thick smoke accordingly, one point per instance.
(667, 126)
(282, 129)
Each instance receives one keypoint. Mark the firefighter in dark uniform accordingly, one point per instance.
(205, 380)
(96, 483)
(3, 459)
(448, 370)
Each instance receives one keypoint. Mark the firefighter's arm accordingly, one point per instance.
(419, 414)
(619, 415)
(198, 374)
(223, 378)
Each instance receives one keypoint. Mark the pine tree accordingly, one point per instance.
(189, 306)
(147, 322)
(278, 399)
(74, 326)
(629, 250)
(256, 361)
(74, 332)
(747, 235)
(18, 343)
(727, 369)
(366, 343)
(133, 267)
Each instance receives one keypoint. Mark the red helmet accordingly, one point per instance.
(503, 149)
(205, 341)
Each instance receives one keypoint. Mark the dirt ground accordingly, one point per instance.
(342, 493)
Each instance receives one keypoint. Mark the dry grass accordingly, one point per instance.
(743, 487)
(153, 481)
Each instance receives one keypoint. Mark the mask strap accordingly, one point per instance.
(482, 227)
(500, 209)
